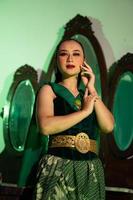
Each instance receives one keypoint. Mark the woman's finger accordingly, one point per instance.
(87, 66)
(87, 74)
(86, 69)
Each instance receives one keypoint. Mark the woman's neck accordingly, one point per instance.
(71, 84)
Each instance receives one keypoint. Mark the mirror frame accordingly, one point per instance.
(125, 64)
(25, 72)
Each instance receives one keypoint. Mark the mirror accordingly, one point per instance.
(120, 102)
(19, 108)
(123, 111)
(18, 122)
(118, 146)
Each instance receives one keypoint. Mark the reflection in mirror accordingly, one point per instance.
(123, 111)
(21, 110)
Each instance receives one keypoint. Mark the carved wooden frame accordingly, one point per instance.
(25, 72)
(125, 64)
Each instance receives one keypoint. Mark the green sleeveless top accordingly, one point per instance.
(65, 104)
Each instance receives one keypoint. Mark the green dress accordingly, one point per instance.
(65, 173)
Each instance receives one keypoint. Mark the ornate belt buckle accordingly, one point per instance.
(82, 142)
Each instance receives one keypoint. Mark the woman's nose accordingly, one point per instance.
(69, 58)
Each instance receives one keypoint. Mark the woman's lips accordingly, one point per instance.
(70, 66)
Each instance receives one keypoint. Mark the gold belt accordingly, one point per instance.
(81, 142)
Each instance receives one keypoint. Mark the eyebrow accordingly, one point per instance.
(66, 50)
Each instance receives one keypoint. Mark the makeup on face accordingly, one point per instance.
(70, 66)
(63, 53)
(70, 56)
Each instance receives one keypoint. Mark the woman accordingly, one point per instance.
(71, 170)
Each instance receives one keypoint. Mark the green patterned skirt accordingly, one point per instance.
(65, 179)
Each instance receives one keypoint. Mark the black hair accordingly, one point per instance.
(58, 76)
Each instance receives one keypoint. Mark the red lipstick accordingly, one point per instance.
(70, 66)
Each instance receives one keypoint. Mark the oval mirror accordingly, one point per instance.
(123, 111)
(19, 108)
(120, 102)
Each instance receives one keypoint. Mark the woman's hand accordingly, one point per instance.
(88, 102)
(88, 77)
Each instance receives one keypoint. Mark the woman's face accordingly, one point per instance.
(70, 58)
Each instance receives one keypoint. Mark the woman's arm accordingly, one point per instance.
(50, 124)
(104, 116)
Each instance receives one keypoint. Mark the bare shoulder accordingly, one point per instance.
(47, 90)
(45, 102)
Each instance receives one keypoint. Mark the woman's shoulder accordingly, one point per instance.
(47, 89)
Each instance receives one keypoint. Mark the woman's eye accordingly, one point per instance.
(76, 54)
(66, 54)
(63, 54)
